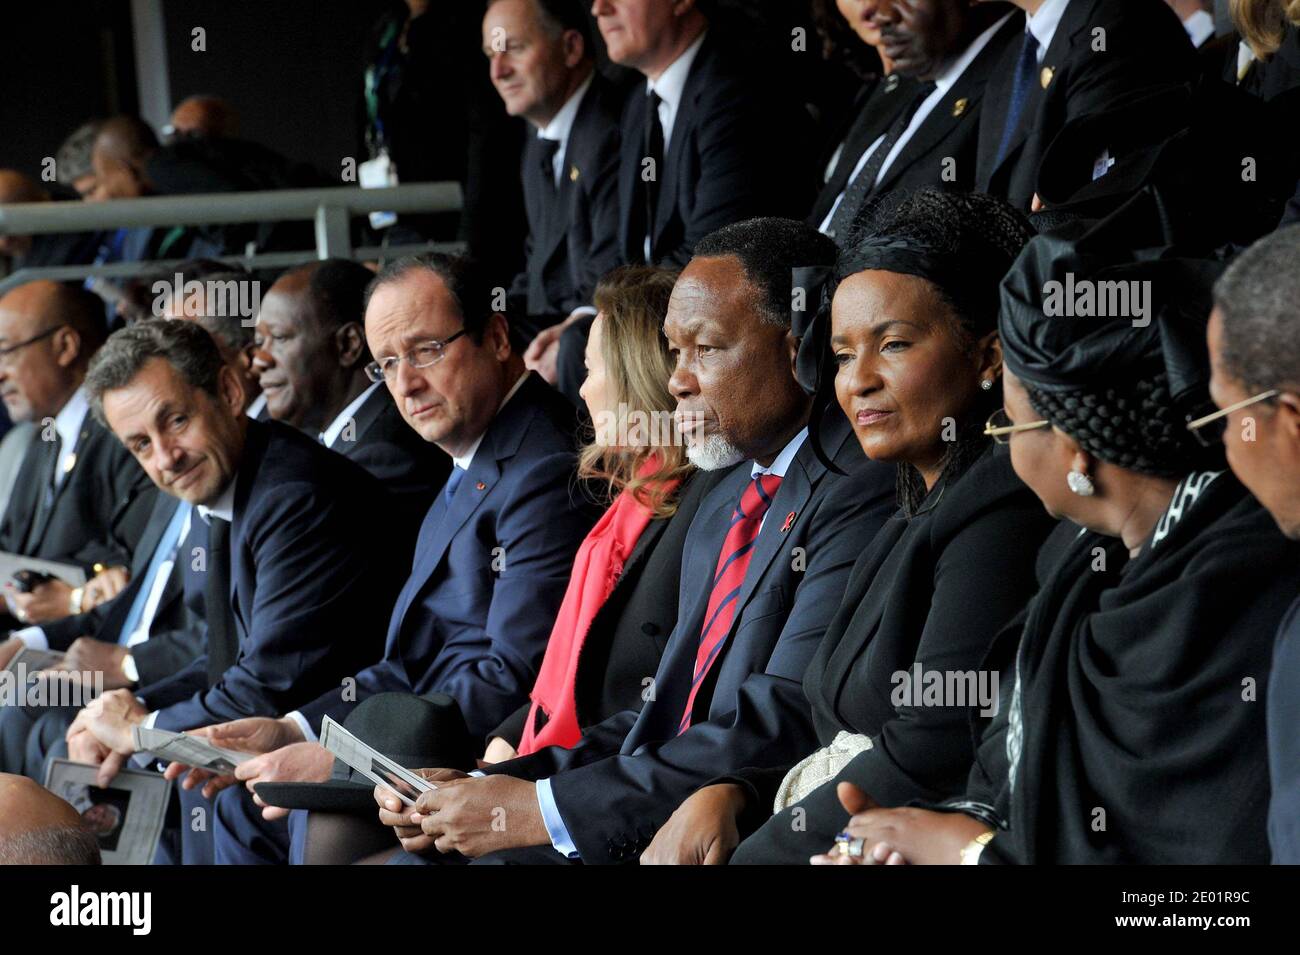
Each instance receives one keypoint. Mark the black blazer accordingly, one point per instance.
(628, 634)
(931, 591)
(1146, 46)
(177, 634)
(874, 109)
(411, 469)
(629, 773)
(737, 150)
(573, 234)
(308, 594)
(99, 511)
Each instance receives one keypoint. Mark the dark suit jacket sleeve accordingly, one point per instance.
(628, 796)
(598, 742)
(732, 166)
(307, 575)
(133, 496)
(60, 633)
(182, 686)
(171, 651)
(926, 751)
(511, 729)
(490, 670)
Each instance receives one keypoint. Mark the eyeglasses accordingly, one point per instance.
(6, 352)
(1219, 419)
(1000, 428)
(422, 355)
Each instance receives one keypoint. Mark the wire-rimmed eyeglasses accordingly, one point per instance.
(422, 355)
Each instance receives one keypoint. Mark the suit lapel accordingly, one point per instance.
(366, 416)
(26, 495)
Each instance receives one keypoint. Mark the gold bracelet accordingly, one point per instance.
(971, 854)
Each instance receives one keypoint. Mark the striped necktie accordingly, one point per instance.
(733, 561)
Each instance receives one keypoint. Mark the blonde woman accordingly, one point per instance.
(620, 606)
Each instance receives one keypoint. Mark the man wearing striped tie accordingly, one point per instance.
(765, 563)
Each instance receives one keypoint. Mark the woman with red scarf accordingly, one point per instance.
(621, 603)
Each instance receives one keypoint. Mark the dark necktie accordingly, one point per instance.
(547, 148)
(653, 150)
(223, 642)
(49, 463)
(1024, 82)
(864, 183)
(733, 560)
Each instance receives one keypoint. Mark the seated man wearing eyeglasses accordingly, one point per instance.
(494, 552)
(311, 359)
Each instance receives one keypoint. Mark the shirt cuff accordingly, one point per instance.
(303, 725)
(33, 637)
(555, 827)
(477, 774)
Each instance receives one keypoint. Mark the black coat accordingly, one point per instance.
(411, 469)
(1146, 46)
(573, 234)
(628, 634)
(737, 150)
(176, 635)
(99, 511)
(931, 591)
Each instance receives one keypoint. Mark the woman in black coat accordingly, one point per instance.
(913, 333)
(1132, 728)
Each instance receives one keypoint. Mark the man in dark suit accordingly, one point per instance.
(495, 550)
(310, 358)
(292, 603)
(78, 497)
(541, 60)
(921, 133)
(719, 145)
(143, 635)
(1075, 57)
(766, 557)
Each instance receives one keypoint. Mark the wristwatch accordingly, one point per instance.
(74, 599)
(129, 669)
(971, 854)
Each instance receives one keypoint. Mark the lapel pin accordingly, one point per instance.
(959, 107)
(71, 463)
(480, 485)
(573, 174)
(789, 520)
(1046, 76)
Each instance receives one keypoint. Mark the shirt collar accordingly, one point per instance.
(463, 462)
(256, 407)
(1043, 24)
(562, 122)
(782, 462)
(331, 434)
(953, 71)
(1199, 27)
(223, 507)
(672, 82)
(71, 417)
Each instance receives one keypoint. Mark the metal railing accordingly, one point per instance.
(331, 210)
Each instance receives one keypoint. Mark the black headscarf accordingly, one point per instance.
(1064, 352)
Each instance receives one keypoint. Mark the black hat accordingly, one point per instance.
(416, 731)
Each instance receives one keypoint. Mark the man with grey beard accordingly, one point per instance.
(765, 563)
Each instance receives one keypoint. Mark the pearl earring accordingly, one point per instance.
(1080, 483)
(986, 384)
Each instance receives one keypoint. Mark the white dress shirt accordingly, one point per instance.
(67, 423)
(561, 124)
(331, 434)
(1044, 22)
(555, 827)
(256, 407)
(1199, 27)
(669, 87)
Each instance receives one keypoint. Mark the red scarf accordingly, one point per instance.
(596, 570)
